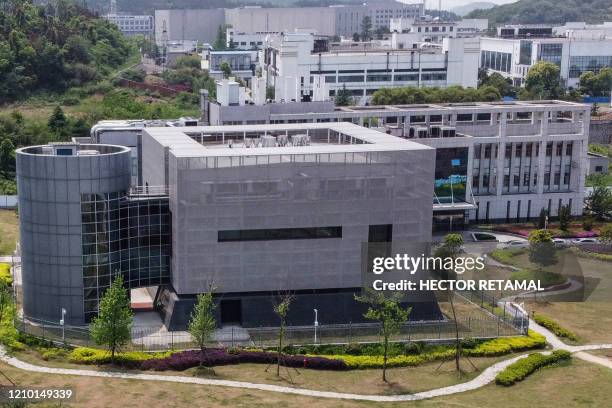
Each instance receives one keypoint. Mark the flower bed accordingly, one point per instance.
(216, 357)
(574, 231)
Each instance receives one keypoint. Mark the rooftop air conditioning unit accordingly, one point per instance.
(268, 141)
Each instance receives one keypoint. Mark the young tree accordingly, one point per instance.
(541, 223)
(356, 37)
(451, 248)
(203, 324)
(114, 321)
(599, 202)
(343, 97)
(366, 28)
(281, 308)
(388, 311)
(226, 69)
(605, 235)
(565, 216)
(57, 122)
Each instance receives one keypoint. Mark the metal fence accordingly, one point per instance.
(495, 322)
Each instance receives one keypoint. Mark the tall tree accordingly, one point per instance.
(389, 313)
(343, 97)
(565, 216)
(366, 28)
(203, 324)
(113, 324)
(543, 82)
(221, 38)
(599, 202)
(57, 122)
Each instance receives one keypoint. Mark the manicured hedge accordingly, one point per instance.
(216, 357)
(131, 359)
(519, 370)
(5, 274)
(506, 345)
(554, 327)
(488, 348)
(363, 362)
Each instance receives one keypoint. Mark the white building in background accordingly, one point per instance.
(242, 63)
(495, 161)
(584, 30)
(291, 63)
(427, 29)
(130, 24)
(512, 57)
(341, 20)
(247, 41)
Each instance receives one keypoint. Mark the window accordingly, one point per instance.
(568, 149)
(528, 148)
(464, 117)
(549, 148)
(483, 116)
(559, 149)
(598, 169)
(279, 234)
(380, 233)
(518, 150)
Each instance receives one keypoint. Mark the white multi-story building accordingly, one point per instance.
(242, 63)
(512, 57)
(131, 24)
(291, 62)
(501, 161)
(247, 41)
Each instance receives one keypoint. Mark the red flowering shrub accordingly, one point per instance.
(216, 357)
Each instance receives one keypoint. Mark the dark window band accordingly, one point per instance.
(279, 233)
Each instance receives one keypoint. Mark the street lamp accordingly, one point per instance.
(316, 324)
(546, 222)
(62, 323)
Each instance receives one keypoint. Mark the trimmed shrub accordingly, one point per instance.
(519, 370)
(363, 362)
(506, 345)
(5, 274)
(216, 357)
(554, 327)
(130, 359)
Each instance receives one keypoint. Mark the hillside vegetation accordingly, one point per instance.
(547, 11)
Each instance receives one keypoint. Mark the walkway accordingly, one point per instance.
(486, 377)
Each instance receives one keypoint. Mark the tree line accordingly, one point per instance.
(54, 47)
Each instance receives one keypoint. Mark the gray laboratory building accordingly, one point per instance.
(249, 210)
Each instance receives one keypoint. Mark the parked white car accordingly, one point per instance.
(560, 242)
(581, 241)
(513, 244)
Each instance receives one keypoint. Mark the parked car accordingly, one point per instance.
(513, 244)
(560, 242)
(581, 241)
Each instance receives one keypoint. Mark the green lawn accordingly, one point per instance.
(579, 384)
(9, 231)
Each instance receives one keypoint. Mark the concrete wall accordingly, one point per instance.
(600, 132)
(201, 25)
(50, 189)
(395, 189)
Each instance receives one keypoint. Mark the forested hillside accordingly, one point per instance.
(54, 48)
(547, 11)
